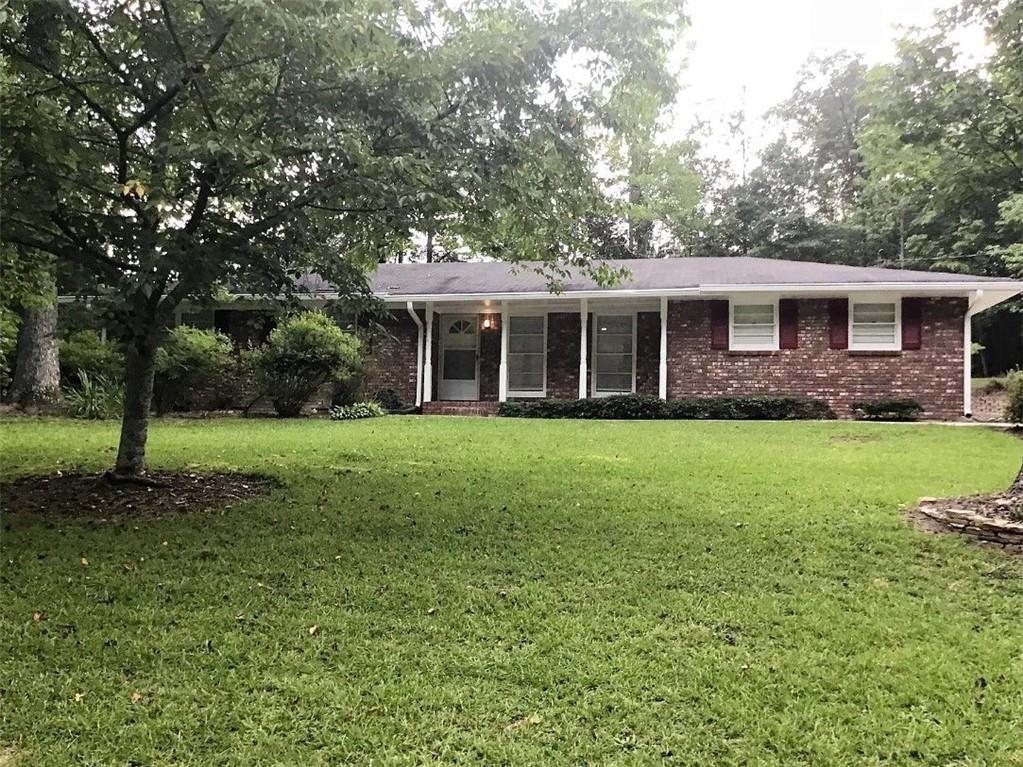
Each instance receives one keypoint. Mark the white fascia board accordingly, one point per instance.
(907, 288)
(995, 292)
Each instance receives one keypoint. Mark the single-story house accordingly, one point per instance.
(466, 336)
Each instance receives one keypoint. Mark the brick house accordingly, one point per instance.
(462, 337)
(465, 336)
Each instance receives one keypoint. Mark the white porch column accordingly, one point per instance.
(419, 352)
(502, 370)
(428, 356)
(583, 312)
(662, 371)
(968, 356)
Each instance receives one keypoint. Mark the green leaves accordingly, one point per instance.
(943, 144)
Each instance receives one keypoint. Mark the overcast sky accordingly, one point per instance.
(760, 45)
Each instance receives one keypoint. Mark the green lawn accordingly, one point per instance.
(518, 592)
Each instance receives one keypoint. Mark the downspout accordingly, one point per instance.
(968, 354)
(419, 353)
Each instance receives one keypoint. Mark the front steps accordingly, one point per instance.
(460, 407)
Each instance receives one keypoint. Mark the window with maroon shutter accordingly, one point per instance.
(838, 314)
(788, 318)
(718, 324)
(912, 323)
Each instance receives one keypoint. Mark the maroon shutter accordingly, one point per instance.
(912, 323)
(718, 324)
(788, 323)
(838, 312)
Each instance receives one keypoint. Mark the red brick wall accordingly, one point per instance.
(648, 352)
(490, 357)
(931, 375)
(391, 358)
(563, 355)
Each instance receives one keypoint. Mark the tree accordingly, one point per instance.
(943, 147)
(652, 185)
(801, 200)
(185, 146)
(943, 144)
(36, 380)
(28, 279)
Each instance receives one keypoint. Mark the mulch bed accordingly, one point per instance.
(995, 519)
(91, 496)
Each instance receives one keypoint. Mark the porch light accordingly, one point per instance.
(488, 322)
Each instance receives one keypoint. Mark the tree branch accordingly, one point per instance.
(86, 248)
(68, 252)
(96, 107)
(199, 209)
(191, 72)
(94, 41)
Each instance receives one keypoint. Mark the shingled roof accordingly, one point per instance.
(496, 277)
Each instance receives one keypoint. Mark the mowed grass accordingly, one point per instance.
(517, 592)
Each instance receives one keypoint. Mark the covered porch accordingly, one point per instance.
(481, 353)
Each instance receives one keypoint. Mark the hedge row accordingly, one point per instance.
(640, 407)
(887, 410)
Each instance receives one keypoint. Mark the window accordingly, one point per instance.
(754, 326)
(613, 354)
(527, 359)
(874, 326)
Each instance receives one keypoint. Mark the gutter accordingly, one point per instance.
(971, 310)
(419, 353)
(905, 288)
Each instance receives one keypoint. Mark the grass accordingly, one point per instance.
(508, 592)
(983, 384)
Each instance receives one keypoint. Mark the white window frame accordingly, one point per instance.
(593, 353)
(754, 301)
(528, 393)
(896, 345)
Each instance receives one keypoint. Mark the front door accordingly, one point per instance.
(459, 368)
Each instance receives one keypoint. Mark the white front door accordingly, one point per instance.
(459, 358)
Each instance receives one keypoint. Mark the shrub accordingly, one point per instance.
(887, 410)
(189, 363)
(993, 385)
(347, 390)
(8, 345)
(94, 397)
(1014, 393)
(641, 407)
(760, 408)
(390, 400)
(85, 351)
(357, 410)
(303, 353)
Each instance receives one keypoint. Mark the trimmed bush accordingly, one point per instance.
(389, 400)
(356, 411)
(641, 407)
(94, 397)
(1014, 392)
(887, 410)
(304, 352)
(85, 351)
(190, 363)
(751, 408)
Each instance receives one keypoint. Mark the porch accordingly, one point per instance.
(473, 354)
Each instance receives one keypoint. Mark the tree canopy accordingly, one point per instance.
(167, 148)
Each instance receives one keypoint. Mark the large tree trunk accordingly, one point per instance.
(140, 366)
(37, 363)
